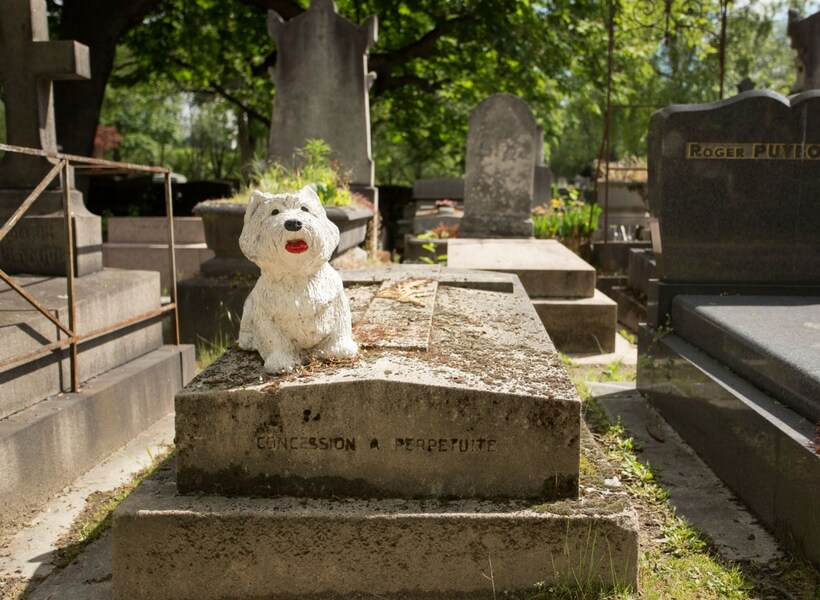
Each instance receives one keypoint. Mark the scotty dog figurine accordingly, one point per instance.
(298, 308)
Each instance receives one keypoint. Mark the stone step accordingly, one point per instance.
(154, 256)
(547, 268)
(102, 298)
(154, 230)
(580, 325)
(45, 447)
(773, 341)
(168, 546)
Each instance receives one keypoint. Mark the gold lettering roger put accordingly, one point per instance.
(752, 151)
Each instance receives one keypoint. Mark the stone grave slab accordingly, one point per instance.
(503, 143)
(458, 394)
(391, 472)
(734, 190)
(546, 268)
(755, 337)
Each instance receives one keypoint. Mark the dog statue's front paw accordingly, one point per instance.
(245, 340)
(342, 347)
(278, 364)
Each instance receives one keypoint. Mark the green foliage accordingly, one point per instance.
(566, 218)
(315, 170)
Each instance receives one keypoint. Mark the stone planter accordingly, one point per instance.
(223, 221)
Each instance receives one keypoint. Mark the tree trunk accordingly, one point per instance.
(99, 24)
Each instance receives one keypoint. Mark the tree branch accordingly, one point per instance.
(424, 47)
(287, 9)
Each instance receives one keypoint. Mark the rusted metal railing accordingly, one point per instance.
(88, 166)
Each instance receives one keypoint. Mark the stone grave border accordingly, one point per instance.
(88, 166)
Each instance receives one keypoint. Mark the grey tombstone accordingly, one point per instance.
(734, 190)
(805, 39)
(502, 147)
(542, 184)
(322, 88)
(29, 62)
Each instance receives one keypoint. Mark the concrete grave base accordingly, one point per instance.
(580, 324)
(142, 243)
(45, 447)
(208, 548)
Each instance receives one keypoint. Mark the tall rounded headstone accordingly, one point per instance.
(322, 88)
(502, 146)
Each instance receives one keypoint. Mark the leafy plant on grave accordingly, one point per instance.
(566, 218)
(314, 169)
(442, 231)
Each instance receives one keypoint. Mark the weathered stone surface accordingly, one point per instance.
(102, 299)
(771, 341)
(758, 446)
(735, 189)
(438, 188)
(467, 418)
(45, 447)
(322, 88)
(178, 547)
(547, 269)
(580, 325)
(502, 146)
(154, 230)
(29, 62)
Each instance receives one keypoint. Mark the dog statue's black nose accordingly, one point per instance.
(293, 225)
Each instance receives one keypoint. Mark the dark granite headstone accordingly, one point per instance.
(734, 190)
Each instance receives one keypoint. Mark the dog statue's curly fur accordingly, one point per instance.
(298, 308)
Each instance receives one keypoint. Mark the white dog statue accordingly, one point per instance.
(298, 307)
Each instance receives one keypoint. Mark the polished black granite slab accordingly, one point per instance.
(772, 341)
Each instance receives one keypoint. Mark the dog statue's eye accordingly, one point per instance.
(305, 208)
(274, 212)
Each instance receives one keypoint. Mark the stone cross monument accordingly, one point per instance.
(322, 88)
(29, 62)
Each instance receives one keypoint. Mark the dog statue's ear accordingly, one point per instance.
(257, 199)
(310, 193)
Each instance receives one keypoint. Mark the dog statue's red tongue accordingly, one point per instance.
(296, 246)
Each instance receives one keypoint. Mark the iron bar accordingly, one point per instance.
(85, 160)
(31, 300)
(62, 343)
(68, 218)
(18, 214)
(169, 211)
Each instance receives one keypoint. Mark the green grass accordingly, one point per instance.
(677, 561)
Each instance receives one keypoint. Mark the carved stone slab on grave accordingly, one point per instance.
(458, 394)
